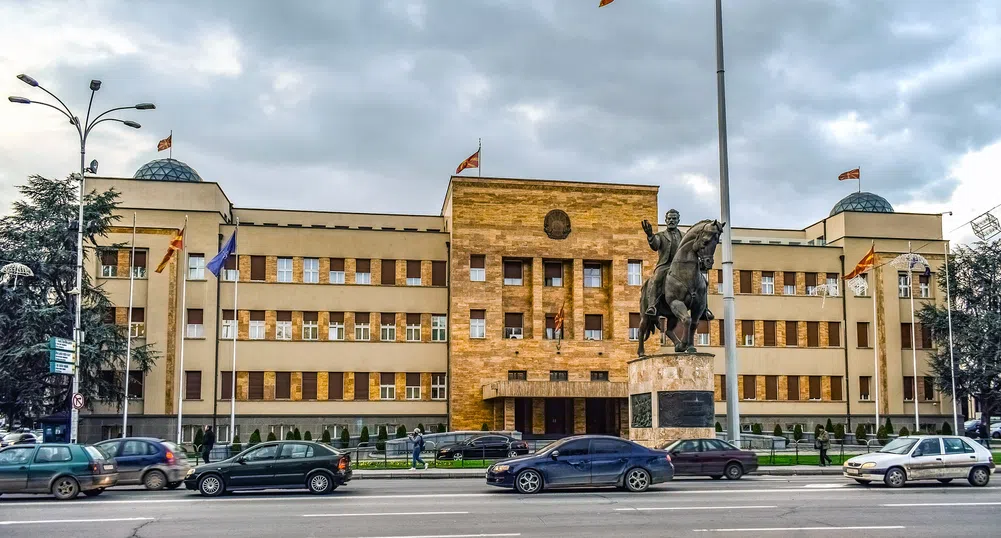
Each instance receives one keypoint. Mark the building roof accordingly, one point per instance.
(864, 202)
(167, 170)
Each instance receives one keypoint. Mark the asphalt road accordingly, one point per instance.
(754, 506)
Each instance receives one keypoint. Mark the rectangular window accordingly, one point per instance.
(904, 285)
(722, 388)
(833, 334)
(905, 335)
(257, 330)
(812, 334)
(767, 283)
(226, 384)
(283, 385)
(832, 284)
(722, 331)
(361, 386)
(815, 393)
(477, 268)
(719, 281)
(387, 386)
(771, 387)
(255, 386)
(309, 385)
(792, 333)
(592, 327)
(788, 283)
(836, 388)
(553, 273)
(864, 387)
(335, 385)
(387, 327)
(311, 270)
(745, 282)
(477, 324)
(438, 274)
(137, 326)
(592, 275)
(363, 332)
(258, 268)
(634, 273)
(926, 336)
(924, 286)
(230, 272)
(195, 327)
(747, 329)
(439, 328)
(792, 392)
(512, 272)
(388, 273)
(283, 327)
(310, 326)
(769, 333)
(558, 375)
(336, 270)
(228, 325)
(908, 388)
(702, 332)
(634, 326)
(439, 387)
(811, 283)
(517, 375)
(138, 265)
(929, 388)
(413, 386)
(513, 325)
(862, 333)
(413, 272)
(335, 326)
(413, 327)
(363, 272)
(750, 387)
(192, 385)
(599, 375)
(550, 327)
(284, 269)
(196, 267)
(109, 263)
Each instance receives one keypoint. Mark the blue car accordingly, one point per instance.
(585, 460)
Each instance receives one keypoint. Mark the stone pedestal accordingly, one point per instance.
(671, 397)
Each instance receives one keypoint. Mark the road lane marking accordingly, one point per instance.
(386, 514)
(911, 505)
(51, 521)
(449, 536)
(741, 507)
(786, 529)
(826, 486)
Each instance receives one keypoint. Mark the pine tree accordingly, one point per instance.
(860, 434)
(797, 432)
(272, 436)
(307, 436)
(719, 428)
(380, 442)
(839, 431)
(199, 439)
(756, 428)
(296, 435)
(888, 426)
(904, 432)
(946, 428)
(289, 436)
(363, 437)
(881, 435)
(401, 431)
(829, 426)
(325, 437)
(421, 428)
(441, 428)
(777, 432)
(345, 438)
(236, 447)
(484, 427)
(255, 438)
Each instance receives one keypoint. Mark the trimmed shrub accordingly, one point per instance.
(325, 437)
(756, 428)
(719, 428)
(797, 432)
(307, 436)
(441, 428)
(272, 436)
(236, 447)
(289, 436)
(484, 427)
(777, 432)
(363, 436)
(255, 438)
(817, 430)
(421, 428)
(829, 426)
(345, 438)
(839, 431)
(946, 428)
(888, 426)
(380, 442)
(904, 432)
(860, 434)
(881, 435)
(296, 435)
(401, 431)
(199, 439)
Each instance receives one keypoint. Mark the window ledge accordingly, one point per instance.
(200, 338)
(193, 399)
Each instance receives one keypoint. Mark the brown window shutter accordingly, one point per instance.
(138, 315)
(363, 266)
(926, 337)
(929, 388)
(554, 270)
(258, 269)
(336, 264)
(789, 279)
(228, 315)
(722, 331)
(722, 387)
(592, 322)
(310, 316)
(140, 260)
(863, 384)
(923, 279)
(388, 318)
(362, 317)
(812, 334)
(230, 263)
(194, 316)
(703, 327)
(335, 385)
(192, 385)
(769, 327)
(388, 272)
(477, 261)
(256, 315)
(905, 335)
(413, 380)
(836, 386)
(109, 257)
(226, 380)
(834, 334)
(284, 315)
(477, 314)
(336, 317)
(361, 385)
(309, 385)
(771, 387)
(765, 274)
(512, 320)
(750, 386)
(746, 327)
(908, 388)
(793, 388)
(283, 385)
(792, 333)
(387, 378)
(811, 279)
(862, 333)
(815, 392)
(634, 320)
(745, 282)
(551, 321)
(438, 274)
(512, 269)
(413, 268)
(256, 386)
(413, 319)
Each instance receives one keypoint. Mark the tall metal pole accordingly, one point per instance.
(729, 312)
(77, 326)
(128, 341)
(952, 358)
(875, 349)
(236, 330)
(184, 327)
(914, 347)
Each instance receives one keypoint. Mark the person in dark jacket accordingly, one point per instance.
(208, 441)
(985, 437)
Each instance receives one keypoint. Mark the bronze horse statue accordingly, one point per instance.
(684, 297)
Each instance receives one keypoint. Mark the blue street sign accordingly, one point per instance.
(56, 355)
(62, 368)
(61, 344)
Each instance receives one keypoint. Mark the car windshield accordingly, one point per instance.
(671, 446)
(901, 445)
(94, 453)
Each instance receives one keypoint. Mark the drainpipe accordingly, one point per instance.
(844, 342)
(448, 337)
(215, 375)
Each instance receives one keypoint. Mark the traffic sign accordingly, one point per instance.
(56, 355)
(62, 368)
(62, 344)
(78, 401)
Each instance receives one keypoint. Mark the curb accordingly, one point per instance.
(481, 473)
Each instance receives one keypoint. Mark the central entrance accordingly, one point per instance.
(601, 416)
(559, 416)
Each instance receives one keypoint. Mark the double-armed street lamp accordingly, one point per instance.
(83, 129)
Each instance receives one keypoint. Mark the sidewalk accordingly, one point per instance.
(775, 470)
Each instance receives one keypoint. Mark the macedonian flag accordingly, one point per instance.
(177, 243)
(867, 262)
(165, 143)
(854, 173)
(472, 162)
(604, 3)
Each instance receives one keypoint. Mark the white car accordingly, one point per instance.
(923, 457)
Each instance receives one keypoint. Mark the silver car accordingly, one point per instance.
(923, 457)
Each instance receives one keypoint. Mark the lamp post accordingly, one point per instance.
(83, 130)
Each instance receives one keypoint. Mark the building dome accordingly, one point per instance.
(167, 170)
(865, 202)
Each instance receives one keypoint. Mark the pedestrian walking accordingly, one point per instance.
(208, 441)
(823, 443)
(985, 437)
(418, 440)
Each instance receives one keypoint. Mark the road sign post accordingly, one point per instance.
(78, 401)
(63, 360)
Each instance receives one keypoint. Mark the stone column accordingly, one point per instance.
(579, 416)
(538, 416)
(508, 414)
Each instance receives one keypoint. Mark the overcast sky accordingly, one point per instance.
(368, 105)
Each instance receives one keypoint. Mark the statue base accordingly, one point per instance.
(671, 396)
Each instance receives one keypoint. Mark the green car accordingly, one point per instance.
(64, 470)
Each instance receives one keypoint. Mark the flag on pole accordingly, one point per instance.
(472, 162)
(175, 244)
(851, 174)
(228, 248)
(868, 262)
(165, 143)
(604, 3)
(558, 327)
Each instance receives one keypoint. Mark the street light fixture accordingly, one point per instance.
(83, 130)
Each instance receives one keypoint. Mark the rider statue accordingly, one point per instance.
(665, 243)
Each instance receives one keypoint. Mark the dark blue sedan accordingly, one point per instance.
(586, 460)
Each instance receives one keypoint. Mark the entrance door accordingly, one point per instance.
(523, 415)
(598, 416)
(559, 416)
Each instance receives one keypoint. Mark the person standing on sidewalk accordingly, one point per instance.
(208, 441)
(418, 440)
(824, 444)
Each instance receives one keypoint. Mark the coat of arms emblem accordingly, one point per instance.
(557, 224)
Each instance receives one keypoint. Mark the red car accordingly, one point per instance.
(710, 457)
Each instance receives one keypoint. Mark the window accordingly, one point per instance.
(558, 375)
(955, 445)
(439, 390)
(769, 334)
(226, 381)
(336, 271)
(833, 334)
(864, 387)
(862, 333)
(634, 273)
(387, 386)
(767, 283)
(592, 275)
(283, 385)
(335, 326)
(592, 327)
(17, 455)
(335, 385)
(362, 329)
(413, 327)
(929, 388)
(311, 270)
(924, 286)
(926, 336)
(413, 386)
(310, 326)
(903, 285)
(196, 267)
(792, 388)
(255, 386)
(719, 281)
(413, 272)
(812, 334)
(292, 451)
(363, 271)
(228, 324)
(195, 327)
(517, 375)
(513, 327)
(832, 284)
(477, 268)
(438, 274)
(554, 274)
(192, 385)
(477, 324)
(905, 335)
(258, 265)
(634, 326)
(750, 387)
(837, 384)
(811, 283)
(138, 265)
(361, 386)
(387, 327)
(788, 283)
(771, 387)
(109, 263)
(747, 329)
(439, 325)
(283, 326)
(815, 393)
(388, 273)
(599, 375)
(267, 452)
(257, 330)
(309, 385)
(137, 326)
(610, 446)
(722, 331)
(512, 273)
(55, 454)
(722, 388)
(745, 282)
(551, 327)
(702, 332)
(135, 385)
(284, 269)
(230, 271)
(929, 447)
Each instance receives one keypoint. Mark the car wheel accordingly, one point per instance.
(528, 482)
(94, 492)
(211, 485)
(512, 454)
(173, 485)
(996, 435)
(154, 480)
(65, 488)
(863, 482)
(319, 484)
(945, 480)
(895, 478)
(457, 456)
(637, 480)
(716, 476)
(979, 477)
(733, 471)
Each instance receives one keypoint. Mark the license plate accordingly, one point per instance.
(109, 467)
(853, 471)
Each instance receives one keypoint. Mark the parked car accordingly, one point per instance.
(996, 430)
(923, 457)
(484, 447)
(64, 470)
(972, 427)
(12, 439)
(154, 463)
(710, 457)
(586, 460)
(278, 464)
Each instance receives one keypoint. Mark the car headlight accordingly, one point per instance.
(191, 471)
(868, 465)
(501, 468)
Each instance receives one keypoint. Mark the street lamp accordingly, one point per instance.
(83, 130)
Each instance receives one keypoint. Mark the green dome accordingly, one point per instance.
(167, 170)
(865, 202)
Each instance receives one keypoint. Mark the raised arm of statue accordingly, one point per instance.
(654, 241)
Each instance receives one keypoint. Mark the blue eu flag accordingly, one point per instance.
(228, 248)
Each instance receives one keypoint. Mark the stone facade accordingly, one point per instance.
(670, 372)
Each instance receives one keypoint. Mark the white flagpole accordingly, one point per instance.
(236, 330)
(952, 358)
(914, 350)
(128, 341)
(184, 326)
(875, 348)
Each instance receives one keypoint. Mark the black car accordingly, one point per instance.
(484, 447)
(279, 464)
